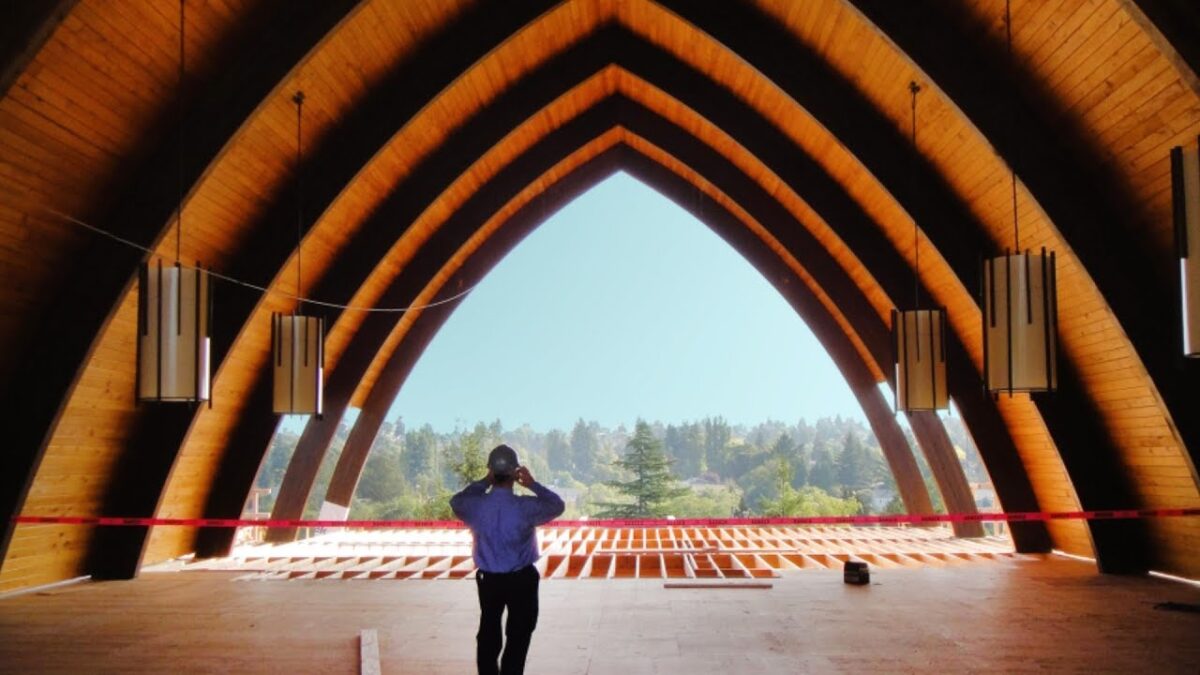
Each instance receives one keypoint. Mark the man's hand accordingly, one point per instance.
(524, 478)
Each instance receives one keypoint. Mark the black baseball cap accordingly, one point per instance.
(503, 460)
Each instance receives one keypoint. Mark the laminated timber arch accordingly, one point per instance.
(1081, 547)
(828, 75)
(455, 237)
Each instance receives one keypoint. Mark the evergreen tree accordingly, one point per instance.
(419, 448)
(853, 464)
(584, 445)
(800, 478)
(652, 485)
(470, 463)
(717, 435)
(558, 451)
(675, 442)
(382, 477)
(824, 471)
(693, 442)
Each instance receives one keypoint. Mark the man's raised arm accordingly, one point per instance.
(465, 503)
(547, 504)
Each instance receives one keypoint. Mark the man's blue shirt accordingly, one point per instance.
(503, 524)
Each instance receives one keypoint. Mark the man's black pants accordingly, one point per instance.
(518, 591)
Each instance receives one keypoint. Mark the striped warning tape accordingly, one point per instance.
(897, 519)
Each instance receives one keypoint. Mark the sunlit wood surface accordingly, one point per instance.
(1011, 616)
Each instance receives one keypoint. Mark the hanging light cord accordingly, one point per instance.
(179, 105)
(913, 88)
(1012, 63)
(257, 287)
(298, 99)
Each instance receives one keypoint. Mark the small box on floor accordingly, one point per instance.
(856, 572)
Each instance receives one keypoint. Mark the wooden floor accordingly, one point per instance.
(1015, 615)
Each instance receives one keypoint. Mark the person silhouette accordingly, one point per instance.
(504, 546)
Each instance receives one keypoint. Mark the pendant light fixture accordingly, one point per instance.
(174, 308)
(298, 340)
(1185, 187)
(1020, 304)
(918, 335)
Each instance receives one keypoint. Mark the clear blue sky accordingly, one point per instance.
(622, 306)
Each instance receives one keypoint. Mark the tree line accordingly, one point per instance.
(702, 468)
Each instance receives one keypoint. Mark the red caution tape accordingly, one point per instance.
(1019, 517)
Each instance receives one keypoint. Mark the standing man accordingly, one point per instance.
(505, 549)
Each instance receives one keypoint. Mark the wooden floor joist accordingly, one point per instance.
(731, 553)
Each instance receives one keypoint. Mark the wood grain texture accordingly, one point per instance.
(808, 622)
(86, 128)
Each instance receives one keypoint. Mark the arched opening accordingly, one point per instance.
(622, 307)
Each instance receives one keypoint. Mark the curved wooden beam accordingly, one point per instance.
(1174, 27)
(362, 439)
(1092, 459)
(137, 482)
(251, 62)
(308, 454)
(978, 419)
(727, 226)
(1074, 184)
(349, 375)
(25, 27)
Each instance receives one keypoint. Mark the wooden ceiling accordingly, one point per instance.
(440, 132)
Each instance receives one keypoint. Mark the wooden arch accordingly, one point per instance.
(614, 111)
(1094, 125)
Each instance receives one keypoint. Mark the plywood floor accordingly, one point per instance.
(1007, 616)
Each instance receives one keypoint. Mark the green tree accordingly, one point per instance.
(383, 476)
(584, 444)
(854, 463)
(824, 472)
(758, 485)
(811, 501)
(420, 448)
(558, 451)
(717, 436)
(469, 462)
(652, 485)
(807, 501)
(800, 465)
(716, 502)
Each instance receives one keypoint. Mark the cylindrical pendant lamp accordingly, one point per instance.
(1185, 183)
(174, 333)
(919, 340)
(919, 335)
(298, 340)
(299, 355)
(1020, 328)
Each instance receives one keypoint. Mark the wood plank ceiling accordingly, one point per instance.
(440, 131)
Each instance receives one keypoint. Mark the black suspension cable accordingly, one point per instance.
(298, 99)
(179, 106)
(1012, 63)
(913, 88)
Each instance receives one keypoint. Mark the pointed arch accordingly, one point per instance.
(778, 80)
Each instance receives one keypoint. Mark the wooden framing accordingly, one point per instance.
(712, 555)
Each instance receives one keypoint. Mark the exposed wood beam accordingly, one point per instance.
(1070, 180)
(250, 63)
(344, 150)
(25, 25)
